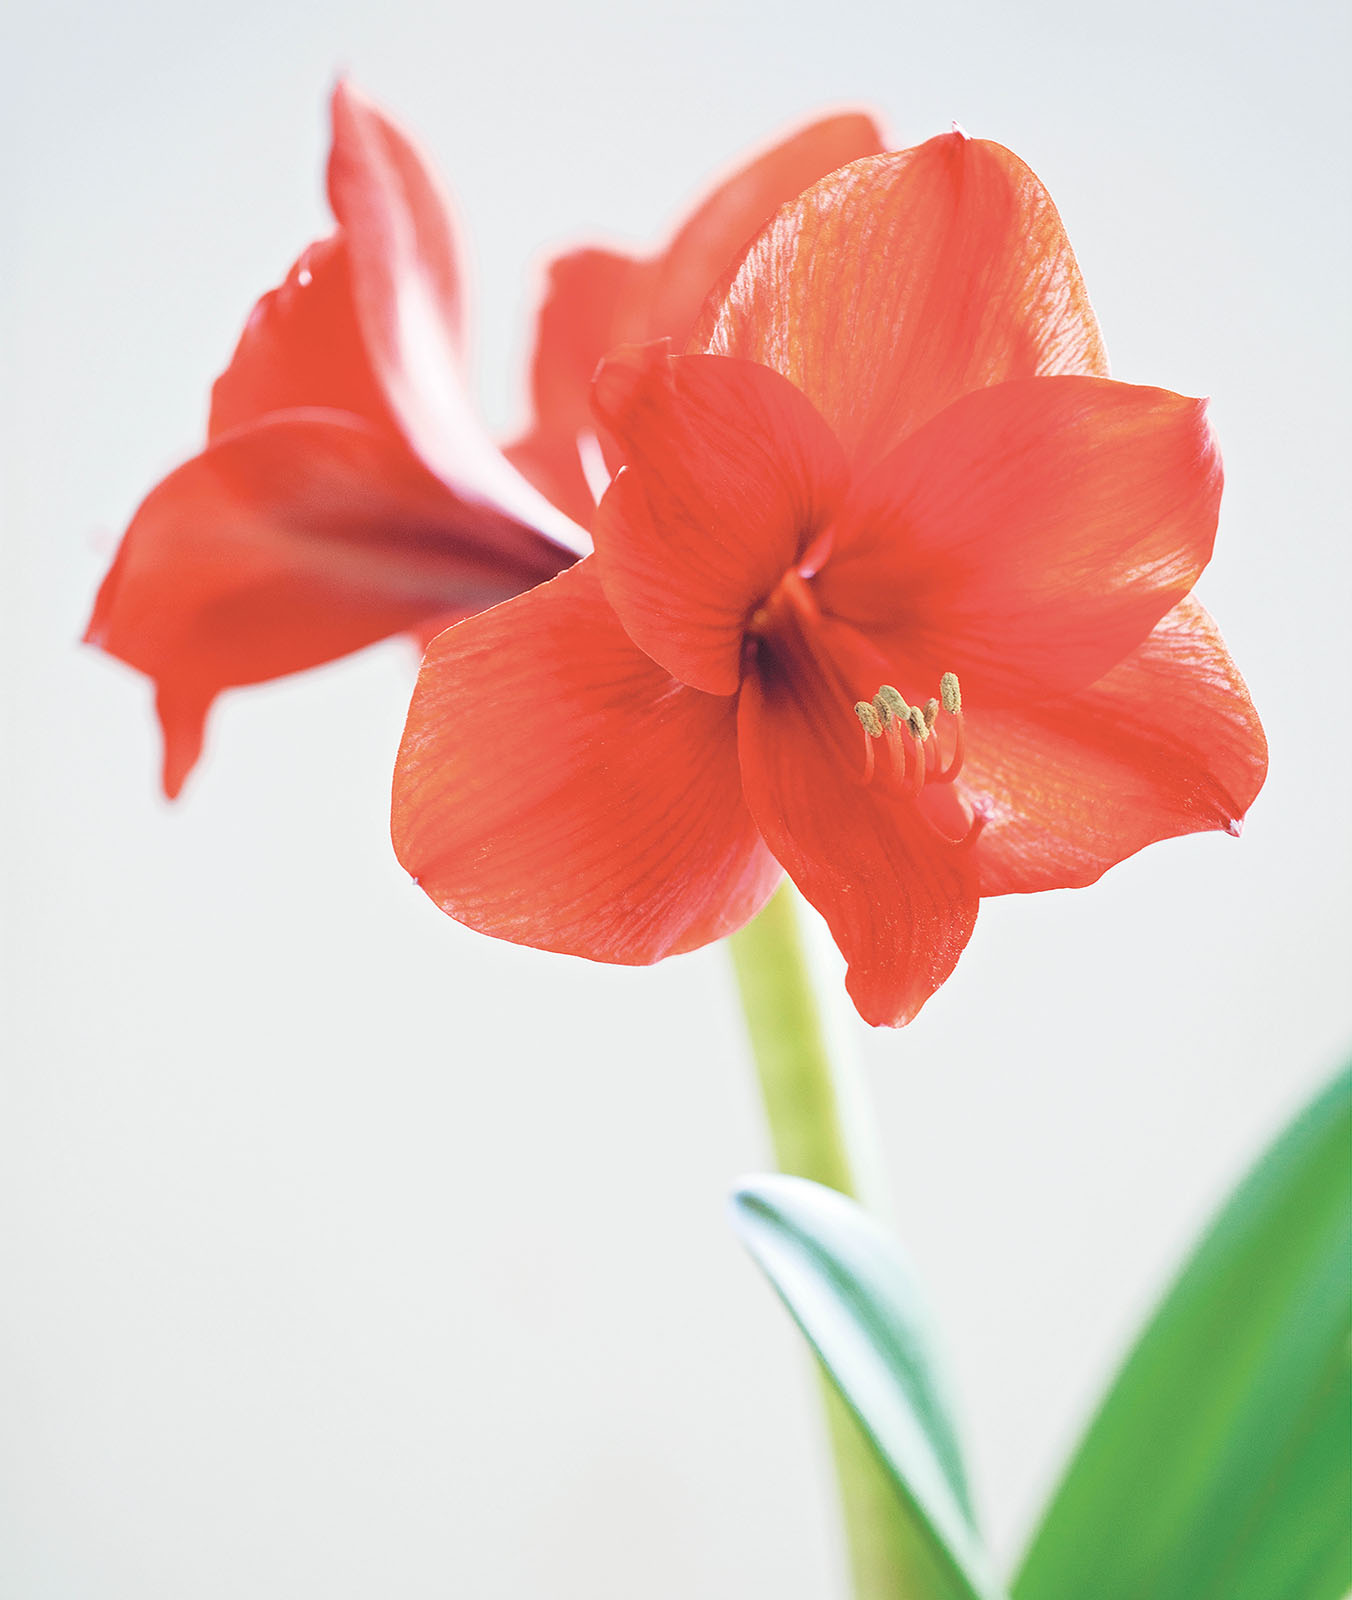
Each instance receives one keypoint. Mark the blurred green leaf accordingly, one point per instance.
(1220, 1466)
(847, 1286)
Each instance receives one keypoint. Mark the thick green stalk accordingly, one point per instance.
(810, 1105)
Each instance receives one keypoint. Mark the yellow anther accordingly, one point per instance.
(931, 713)
(917, 723)
(888, 704)
(949, 692)
(869, 718)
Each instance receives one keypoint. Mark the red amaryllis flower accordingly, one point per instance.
(347, 491)
(894, 466)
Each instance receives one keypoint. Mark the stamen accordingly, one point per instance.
(954, 767)
(896, 746)
(914, 756)
(978, 822)
(916, 727)
(866, 776)
(889, 704)
(873, 726)
(911, 754)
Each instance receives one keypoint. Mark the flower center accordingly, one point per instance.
(790, 602)
(901, 742)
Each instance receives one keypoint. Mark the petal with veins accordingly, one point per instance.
(894, 286)
(899, 897)
(1167, 743)
(556, 788)
(1030, 535)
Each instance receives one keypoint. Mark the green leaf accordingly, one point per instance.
(1220, 1466)
(849, 1289)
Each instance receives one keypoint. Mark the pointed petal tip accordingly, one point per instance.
(1165, 745)
(344, 95)
(183, 718)
(992, 238)
(961, 132)
(863, 995)
(340, 100)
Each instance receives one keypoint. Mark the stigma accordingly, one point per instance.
(902, 742)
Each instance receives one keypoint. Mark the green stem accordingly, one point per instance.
(810, 1103)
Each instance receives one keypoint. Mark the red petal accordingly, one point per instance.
(895, 286)
(1030, 535)
(1166, 743)
(709, 242)
(405, 278)
(285, 545)
(406, 271)
(730, 473)
(900, 899)
(557, 789)
(596, 300)
(301, 348)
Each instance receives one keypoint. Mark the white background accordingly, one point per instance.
(346, 1254)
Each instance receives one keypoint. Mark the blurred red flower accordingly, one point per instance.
(893, 462)
(347, 490)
